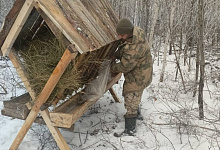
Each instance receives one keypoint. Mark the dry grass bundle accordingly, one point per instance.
(40, 57)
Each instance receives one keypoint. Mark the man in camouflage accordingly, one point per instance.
(136, 65)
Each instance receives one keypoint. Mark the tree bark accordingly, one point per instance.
(202, 61)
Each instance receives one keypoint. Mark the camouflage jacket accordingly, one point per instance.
(135, 62)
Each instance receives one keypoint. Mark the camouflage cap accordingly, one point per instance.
(124, 26)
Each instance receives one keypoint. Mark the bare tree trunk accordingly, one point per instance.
(158, 53)
(164, 57)
(156, 12)
(179, 69)
(189, 36)
(190, 54)
(197, 63)
(218, 37)
(186, 48)
(202, 61)
(181, 40)
(167, 40)
(147, 10)
(197, 68)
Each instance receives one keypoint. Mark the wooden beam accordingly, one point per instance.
(42, 98)
(113, 81)
(17, 26)
(114, 95)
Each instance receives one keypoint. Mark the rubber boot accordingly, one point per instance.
(130, 125)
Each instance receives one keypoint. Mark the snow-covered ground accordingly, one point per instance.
(170, 117)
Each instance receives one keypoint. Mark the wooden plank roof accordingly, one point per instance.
(88, 24)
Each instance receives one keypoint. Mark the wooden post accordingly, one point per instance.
(114, 95)
(42, 98)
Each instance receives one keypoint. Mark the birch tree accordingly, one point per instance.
(168, 36)
(155, 16)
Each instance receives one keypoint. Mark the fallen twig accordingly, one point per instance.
(215, 130)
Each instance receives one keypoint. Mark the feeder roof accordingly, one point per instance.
(87, 24)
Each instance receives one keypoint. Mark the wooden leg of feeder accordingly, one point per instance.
(54, 131)
(42, 98)
(114, 95)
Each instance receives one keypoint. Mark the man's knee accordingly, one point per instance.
(132, 101)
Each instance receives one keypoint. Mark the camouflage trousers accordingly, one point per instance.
(132, 101)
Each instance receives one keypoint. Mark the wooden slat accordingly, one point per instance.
(19, 113)
(15, 114)
(18, 103)
(66, 119)
(9, 20)
(68, 105)
(17, 107)
(57, 17)
(42, 98)
(89, 22)
(17, 26)
(102, 54)
(22, 99)
(102, 20)
(110, 12)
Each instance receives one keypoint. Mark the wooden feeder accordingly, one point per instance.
(86, 26)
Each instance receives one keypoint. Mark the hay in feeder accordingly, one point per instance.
(40, 57)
